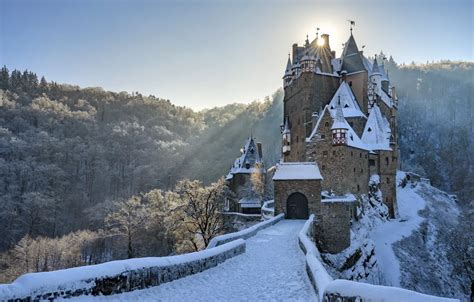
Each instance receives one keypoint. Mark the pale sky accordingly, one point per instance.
(202, 54)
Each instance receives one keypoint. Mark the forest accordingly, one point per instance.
(89, 175)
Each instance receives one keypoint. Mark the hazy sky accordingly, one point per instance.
(210, 53)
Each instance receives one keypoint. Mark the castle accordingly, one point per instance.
(249, 164)
(339, 134)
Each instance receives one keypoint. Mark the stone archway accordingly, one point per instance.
(297, 206)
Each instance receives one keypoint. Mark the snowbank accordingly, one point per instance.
(268, 209)
(316, 272)
(117, 276)
(244, 234)
(368, 292)
(345, 290)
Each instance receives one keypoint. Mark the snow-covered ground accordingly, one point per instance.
(272, 269)
(385, 234)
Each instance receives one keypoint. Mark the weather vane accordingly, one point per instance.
(352, 23)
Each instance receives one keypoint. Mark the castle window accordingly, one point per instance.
(354, 170)
(334, 153)
(360, 155)
(323, 136)
(358, 188)
(297, 138)
(361, 170)
(371, 162)
(325, 153)
(324, 167)
(388, 180)
(326, 124)
(366, 156)
(352, 153)
(370, 129)
(350, 83)
(386, 161)
(351, 123)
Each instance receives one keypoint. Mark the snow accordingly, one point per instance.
(377, 131)
(349, 104)
(369, 292)
(245, 233)
(343, 198)
(297, 171)
(73, 278)
(271, 269)
(250, 203)
(316, 269)
(384, 235)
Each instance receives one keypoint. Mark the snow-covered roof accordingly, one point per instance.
(377, 131)
(339, 120)
(245, 163)
(297, 171)
(353, 139)
(384, 97)
(349, 104)
(342, 198)
(250, 203)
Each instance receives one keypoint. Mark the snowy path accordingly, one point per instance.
(384, 235)
(272, 269)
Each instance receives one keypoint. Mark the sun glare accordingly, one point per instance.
(320, 42)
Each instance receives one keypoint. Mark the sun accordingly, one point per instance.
(320, 42)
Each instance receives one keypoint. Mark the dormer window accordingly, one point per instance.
(247, 165)
(370, 129)
(346, 106)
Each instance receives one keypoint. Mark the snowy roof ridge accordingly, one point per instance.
(377, 130)
(249, 155)
(315, 129)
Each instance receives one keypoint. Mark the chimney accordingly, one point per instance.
(259, 150)
(295, 52)
(325, 37)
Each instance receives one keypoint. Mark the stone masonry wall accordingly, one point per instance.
(307, 94)
(332, 226)
(309, 188)
(344, 169)
(128, 280)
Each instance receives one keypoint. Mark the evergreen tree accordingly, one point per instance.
(43, 85)
(4, 78)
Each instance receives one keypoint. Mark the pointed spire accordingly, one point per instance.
(307, 41)
(288, 63)
(350, 47)
(375, 66)
(339, 120)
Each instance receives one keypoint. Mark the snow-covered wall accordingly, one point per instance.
(244, 234)
(330, 290)
(116, 276)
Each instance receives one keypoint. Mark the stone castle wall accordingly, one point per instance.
(309, 188)
(344, 169)
(307, 94)
(332, 226)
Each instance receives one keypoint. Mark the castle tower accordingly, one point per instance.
(287, 77)
(339, 128)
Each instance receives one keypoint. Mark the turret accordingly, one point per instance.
(339, 127)
(308, 63)
(286, 135)
(287, 77)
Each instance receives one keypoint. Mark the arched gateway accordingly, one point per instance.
(297, 206)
